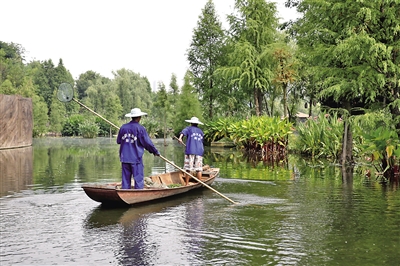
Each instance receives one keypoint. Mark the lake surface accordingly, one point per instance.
(301, 213)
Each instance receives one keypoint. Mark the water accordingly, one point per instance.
(302, 214)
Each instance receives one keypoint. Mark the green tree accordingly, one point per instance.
(45, 81)
(48, 78)
(57, 115)
(162, 106)
(12, 74)
(40, 117)
(253, 28)
(102, 98)
(132, 90)
(205, 55)
(6, 87)
(62, 74)
(284, 69)
(173, 95)
(87, 79)
(188, 105)
(353, 48)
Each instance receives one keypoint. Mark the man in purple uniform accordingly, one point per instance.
(133, 139)
(194, 148)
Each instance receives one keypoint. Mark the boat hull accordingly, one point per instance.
(163, 186)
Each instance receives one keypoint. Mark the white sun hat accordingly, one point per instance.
(194, 120)
(135, 112)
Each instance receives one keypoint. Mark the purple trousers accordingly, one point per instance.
(135, 170)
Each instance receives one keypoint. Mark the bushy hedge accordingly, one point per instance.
(320, 137)
(89, 129)
(252, 133)
(71, 127)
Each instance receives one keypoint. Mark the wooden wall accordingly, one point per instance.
(16, 121)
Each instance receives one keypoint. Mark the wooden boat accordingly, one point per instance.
(156, 187)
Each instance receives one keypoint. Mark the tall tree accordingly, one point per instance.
(253, 29)
(49, 83)
(87, 79)
(188, 105)
(163, 108)
(57, 115)
(174, 93)
(284, 74)
(40, 117)
(353, 47)
(132, 89)
(102, 98)
(62, 74)
(12, 69)
(205, 55)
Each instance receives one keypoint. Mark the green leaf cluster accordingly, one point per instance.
(320, 137)
(218, 129)
(256, 132)
(252, 133)
(382, 147)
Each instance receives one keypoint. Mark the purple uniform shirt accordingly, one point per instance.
(194, 140)
(133, 139)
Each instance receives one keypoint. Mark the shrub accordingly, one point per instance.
(257, 132)
(104, 127)
(71, 126)
(89, 129)
(320, 138)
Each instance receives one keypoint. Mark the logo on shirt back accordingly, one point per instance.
(128, 137)
(196, 136)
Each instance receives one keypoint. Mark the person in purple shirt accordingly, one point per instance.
(194, 148)
(133, 140)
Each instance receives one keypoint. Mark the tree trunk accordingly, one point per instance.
(285, 113)
(165, 133)
(395, 111)
(210, 104)
(267, 110)
(256, 103)
(210, 107)
(260, 101)
(347, 175)
(347, 142)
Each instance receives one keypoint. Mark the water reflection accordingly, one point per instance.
(194, 243)
(308, 213)
(16, 170)
(146, 230)
(104, 216)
